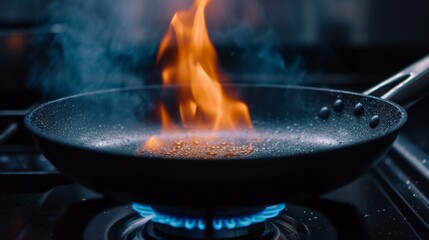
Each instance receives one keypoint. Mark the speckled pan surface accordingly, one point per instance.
(309, 141)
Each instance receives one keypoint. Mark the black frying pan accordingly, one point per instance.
(322, 139)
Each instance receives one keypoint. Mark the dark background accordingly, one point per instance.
(53, 48)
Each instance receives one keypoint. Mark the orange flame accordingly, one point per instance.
(203, 104)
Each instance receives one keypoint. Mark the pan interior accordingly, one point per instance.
(266, 141)
(287, 120)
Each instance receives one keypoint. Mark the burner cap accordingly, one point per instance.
(156, 231)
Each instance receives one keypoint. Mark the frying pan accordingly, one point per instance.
(320, 140)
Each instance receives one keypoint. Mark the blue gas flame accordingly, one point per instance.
(189, 223)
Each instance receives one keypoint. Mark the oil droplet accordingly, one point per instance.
(211, 153)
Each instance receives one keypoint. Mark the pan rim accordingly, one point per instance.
(31, 127)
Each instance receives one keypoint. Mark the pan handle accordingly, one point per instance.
(406, 87)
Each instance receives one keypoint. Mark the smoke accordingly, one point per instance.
(111, 44)
(245, 27)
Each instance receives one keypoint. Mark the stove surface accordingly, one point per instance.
(361, 210)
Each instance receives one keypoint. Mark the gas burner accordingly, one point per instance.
(154, 231)
(206, 223)
(125, 224)
(220, 218)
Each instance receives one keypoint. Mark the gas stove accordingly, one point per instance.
(349, 45)
(389, 202)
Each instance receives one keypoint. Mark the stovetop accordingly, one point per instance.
(389, 202)
(361, 210)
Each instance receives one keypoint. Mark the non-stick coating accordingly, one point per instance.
(92, 138)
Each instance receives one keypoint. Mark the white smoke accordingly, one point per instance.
(111, 44)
